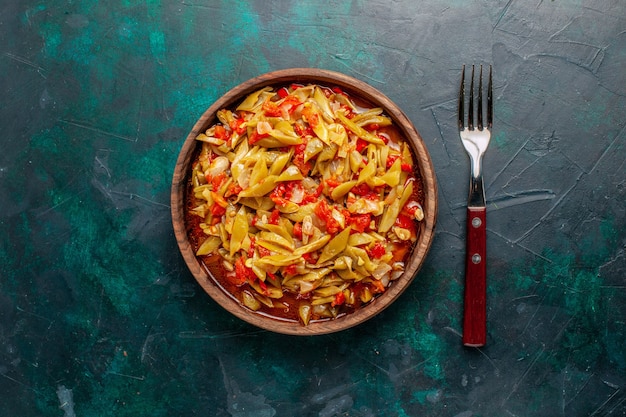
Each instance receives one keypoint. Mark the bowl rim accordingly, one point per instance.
(353, 87)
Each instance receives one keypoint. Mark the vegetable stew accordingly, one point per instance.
(303, 202)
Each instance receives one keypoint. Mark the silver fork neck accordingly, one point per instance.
(476, 192)
(475, 143)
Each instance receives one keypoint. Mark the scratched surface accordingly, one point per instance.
(99, 315)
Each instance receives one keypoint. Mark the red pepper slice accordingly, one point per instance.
(322, 210)
(233, 189)
(405, 222)
(311, 198)
(242, 272)
(237, 126)
(274, 217)
(282, 92)
(361, 189)
(221, 132)
(297, 231)
(378, 250)
(303, 131)
(391, 159)
(361, 144)
(256, 136)
(312, 118)
(263, 251)
(293, 101)
(340, 298)
(410, 208)
(218, 180)
(347, 111)
(271, 109)
(291, 269)
(333, 183)
(217, 210)
(298, 160)
(360, 222)
(324, 213)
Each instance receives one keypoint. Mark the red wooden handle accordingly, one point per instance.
(475, 308)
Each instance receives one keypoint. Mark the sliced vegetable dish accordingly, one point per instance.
(303, 202)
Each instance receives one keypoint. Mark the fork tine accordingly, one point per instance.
(479, 116)
(489, 101)
(461, 111)
(470, 107)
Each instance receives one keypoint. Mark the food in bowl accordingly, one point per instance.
(303, 202)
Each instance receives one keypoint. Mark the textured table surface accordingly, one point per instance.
(99, 315)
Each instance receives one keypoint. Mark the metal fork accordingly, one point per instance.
(475, 139)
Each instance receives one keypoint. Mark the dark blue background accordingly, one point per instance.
(99, 315)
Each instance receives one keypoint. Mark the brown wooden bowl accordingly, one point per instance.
(357, 89)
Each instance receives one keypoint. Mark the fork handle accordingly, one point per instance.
(475, 306)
